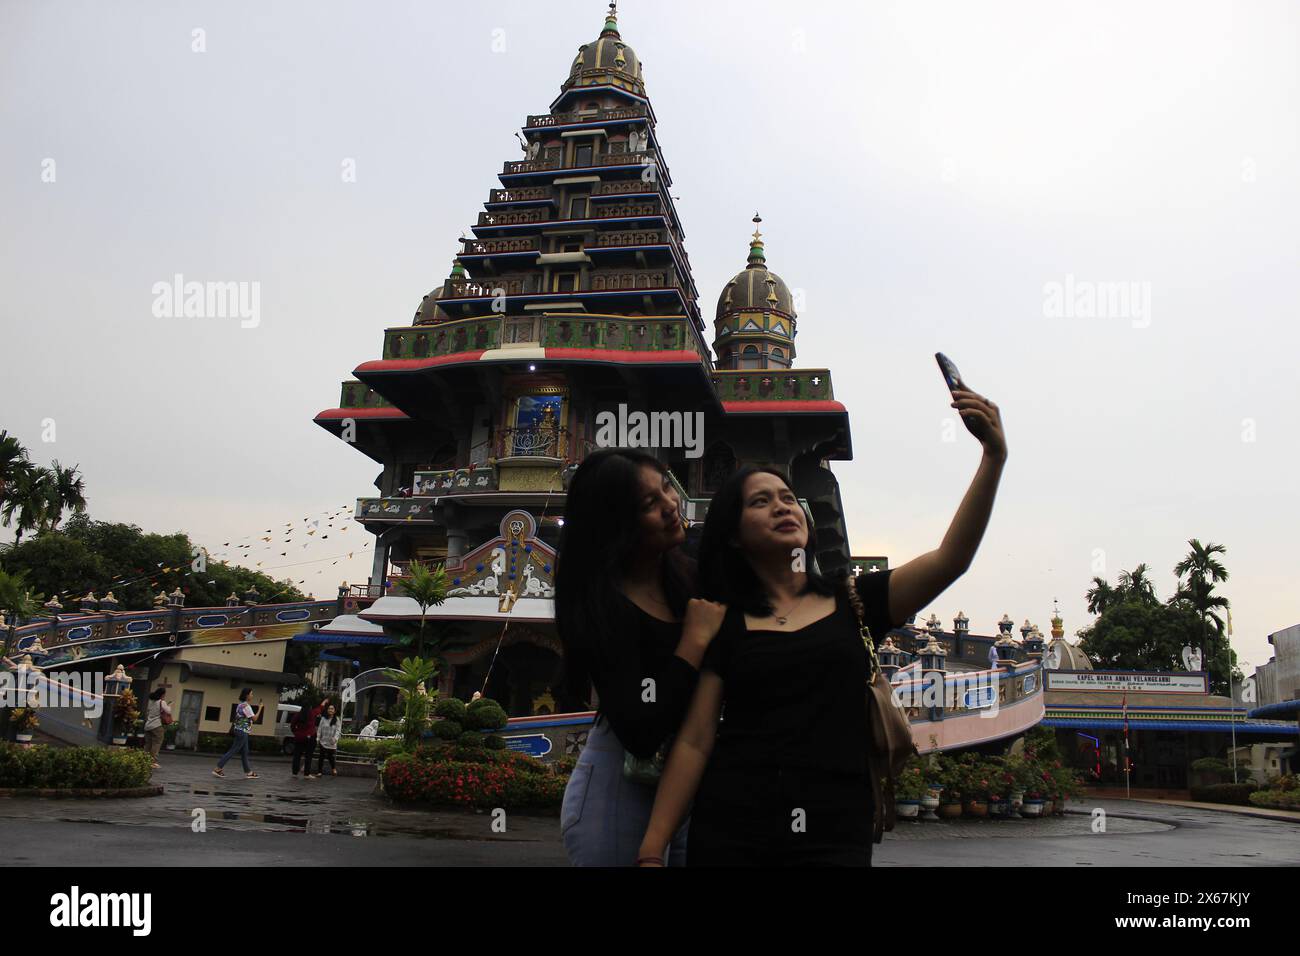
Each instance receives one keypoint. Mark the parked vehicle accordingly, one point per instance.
(283, 732)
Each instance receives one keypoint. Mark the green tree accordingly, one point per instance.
(99, 556)
(1203, 571)
(428, 588)
(416, 699)
(27, 500)
(1135, 585)
(66, 491)
(1101, 596)
(13, 459)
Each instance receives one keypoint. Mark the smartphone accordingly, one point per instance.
(950, 373)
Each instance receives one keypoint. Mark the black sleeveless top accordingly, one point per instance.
(642, 725)
(798, 698)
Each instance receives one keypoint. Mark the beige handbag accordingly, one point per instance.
(891, 742)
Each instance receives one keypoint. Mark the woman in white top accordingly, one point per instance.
(328, 732)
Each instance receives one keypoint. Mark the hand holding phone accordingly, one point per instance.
(980, 416)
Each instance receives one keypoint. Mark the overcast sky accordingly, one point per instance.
(932, 176)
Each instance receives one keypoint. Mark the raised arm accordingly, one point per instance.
(686, 762)
(918, 582)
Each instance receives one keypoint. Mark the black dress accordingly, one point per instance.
(643, 721)
(787, 783)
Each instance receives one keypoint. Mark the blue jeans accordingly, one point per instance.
(240, 746)
(604, 815)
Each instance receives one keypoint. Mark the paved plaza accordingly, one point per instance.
(279, 821)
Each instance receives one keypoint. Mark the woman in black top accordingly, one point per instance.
(783, 780)
(630, 630)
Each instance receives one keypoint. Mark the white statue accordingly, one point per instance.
(370, 730)
(1192, 658)
(348, 691)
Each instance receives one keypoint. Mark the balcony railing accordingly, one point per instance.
(531, 284)
(514, 218)
(532, 442)
(360, 395)
(772, 384)
(598, 116)
(555, 330)
(641, 158)
(521, 194)
(647, 237)
(487, 246)
(442, 339)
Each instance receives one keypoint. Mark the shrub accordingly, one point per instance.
(441, 776)
(485, 714)
(450, 708)
(494, 742)
(471, 739)
(1278, 799)
(73, 767)
(563, 766)
(366, 747)
(1237, 794)
(446, 729)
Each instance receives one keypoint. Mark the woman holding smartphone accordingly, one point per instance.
(783, 781)
(622, 592)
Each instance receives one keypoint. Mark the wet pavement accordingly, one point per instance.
(206, 820)
(282, 821)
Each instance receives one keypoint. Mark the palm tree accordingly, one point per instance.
(1100, 596)
(416, 699)
(13, 459)
(428, 587)
(1203, 571)
(27, 500)
(1136, 584)
(67, 490)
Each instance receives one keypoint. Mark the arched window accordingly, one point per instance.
(749, 357)
(778, 357)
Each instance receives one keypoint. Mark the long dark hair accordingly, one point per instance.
(726, 575)
(601, 533)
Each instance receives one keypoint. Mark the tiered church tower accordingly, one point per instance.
(573, 297)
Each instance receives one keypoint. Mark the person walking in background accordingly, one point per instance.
(157, 716)
(240, 729)
(328, 732)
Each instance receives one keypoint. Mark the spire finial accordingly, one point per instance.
(756, 254)
(611, 19)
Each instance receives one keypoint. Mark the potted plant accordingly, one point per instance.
(908, 791)
(951, 775)
(169, 735)
(1039, 781)
(24, 721)
(977, 792)
(1018, 772)
(125, 713)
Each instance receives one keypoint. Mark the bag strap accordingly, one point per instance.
(855, 599)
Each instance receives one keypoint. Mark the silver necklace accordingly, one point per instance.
(782, 618)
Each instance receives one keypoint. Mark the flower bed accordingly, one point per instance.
(1282, 794)
(72, 768)
(473, 777)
